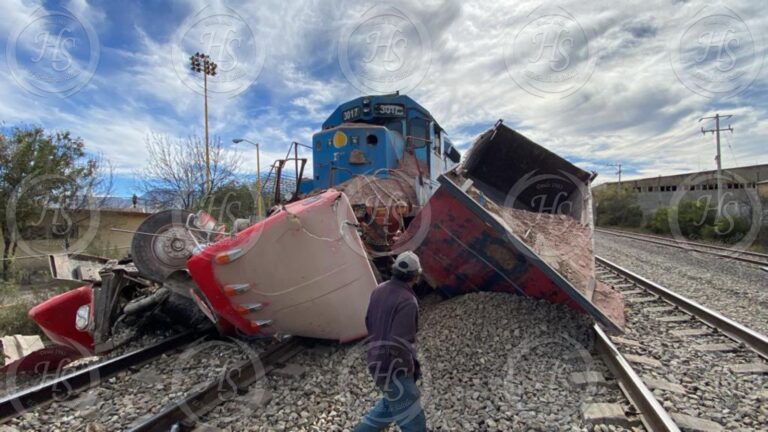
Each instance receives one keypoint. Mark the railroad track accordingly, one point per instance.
(706, 371)
(166, 386)
(709, 249)
(77, 381)
(183, 414)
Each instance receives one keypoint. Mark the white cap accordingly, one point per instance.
(407, 262)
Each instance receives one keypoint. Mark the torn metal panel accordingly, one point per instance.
(76, 267)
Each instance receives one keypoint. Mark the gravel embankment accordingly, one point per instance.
(736, 289)
(490, 362)
(700, 382)
(125, 399)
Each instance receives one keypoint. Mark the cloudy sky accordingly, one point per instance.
(596, 83)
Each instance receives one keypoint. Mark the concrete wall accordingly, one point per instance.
(94, 235)
(741, 188)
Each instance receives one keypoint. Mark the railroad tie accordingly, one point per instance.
(643, 360)
(642, 299)
(716, 347)
(749, 368)
(674, 318)
(588, 378)
(612, 281)
(624, 341)
(656, 383)
(691, 423)
(605, 413)
(691, 332)
(656, 309)
(290, 370)
(633, 292)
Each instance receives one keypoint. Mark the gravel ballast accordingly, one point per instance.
(16, 382)
(490, 361)
(692, 369)
(127, 398)
(736, 289)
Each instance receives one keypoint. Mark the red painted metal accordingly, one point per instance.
(201, 266)
(465, 249)
(462, 254)
(56, 317)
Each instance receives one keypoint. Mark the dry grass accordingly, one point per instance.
(15, 303)
(13, 311)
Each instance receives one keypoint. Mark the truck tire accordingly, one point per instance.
(161, 245)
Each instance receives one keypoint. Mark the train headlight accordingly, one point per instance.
(339, 139)
(82, 317)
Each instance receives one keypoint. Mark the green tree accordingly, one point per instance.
(40, 171)
(617, 207)
(234, 200)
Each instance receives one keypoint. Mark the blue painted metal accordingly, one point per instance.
(367, 134)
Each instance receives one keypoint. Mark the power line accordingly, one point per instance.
(733, 153)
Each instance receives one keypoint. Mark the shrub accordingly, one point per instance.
(692, 217)
(617, 207)
(659, 222)
(731, 229)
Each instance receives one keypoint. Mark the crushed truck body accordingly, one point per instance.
(512, 217)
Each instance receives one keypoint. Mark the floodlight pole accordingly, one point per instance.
(207, 152)
(202, 63)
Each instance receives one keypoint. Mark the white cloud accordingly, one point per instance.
(633, 109)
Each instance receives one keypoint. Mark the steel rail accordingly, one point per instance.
(63, 387)
(752, 339)
(744, 256)
(186, 412)
(653, 415)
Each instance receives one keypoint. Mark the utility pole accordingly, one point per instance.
(259, 201)
(618, 171)
(203, 63)
(716, 132)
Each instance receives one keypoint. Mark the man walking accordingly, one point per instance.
(392, 322)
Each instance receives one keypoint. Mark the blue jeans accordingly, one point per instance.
(399, 404)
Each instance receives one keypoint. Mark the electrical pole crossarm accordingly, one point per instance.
(716, 131)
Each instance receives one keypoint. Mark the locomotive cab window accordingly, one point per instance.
(419, 133)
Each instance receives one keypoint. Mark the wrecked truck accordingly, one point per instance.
(511, 216)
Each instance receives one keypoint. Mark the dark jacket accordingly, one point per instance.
(392, 322)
